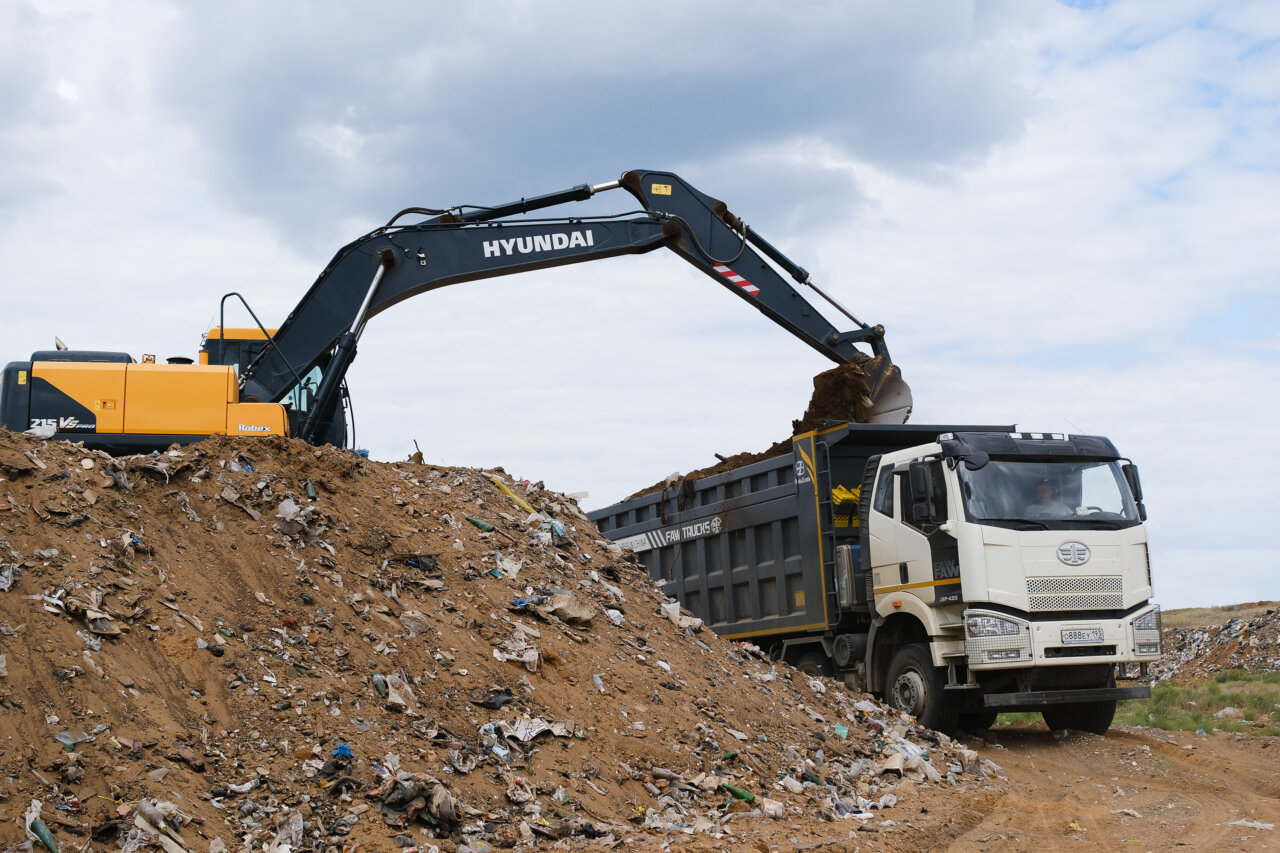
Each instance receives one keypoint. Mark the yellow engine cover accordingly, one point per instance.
(178, 399)
(162, 399)
(96, 386)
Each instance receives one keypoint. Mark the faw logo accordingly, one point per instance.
(1073, 553)
(538, 243)
(67, 423)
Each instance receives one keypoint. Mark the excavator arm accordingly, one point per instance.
(395, 262)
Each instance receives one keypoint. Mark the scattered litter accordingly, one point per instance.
(474, 621)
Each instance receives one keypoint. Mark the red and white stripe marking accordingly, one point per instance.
(737, 279)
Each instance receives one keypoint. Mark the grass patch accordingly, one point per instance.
(1254, 696)
(1254, 700)
(1210, 617)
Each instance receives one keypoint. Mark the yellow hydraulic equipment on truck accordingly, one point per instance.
(291, 381)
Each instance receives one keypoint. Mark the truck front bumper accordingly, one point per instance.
(1036, 699)
(1002, 640)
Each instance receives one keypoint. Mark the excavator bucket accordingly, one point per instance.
(888, 398)
(864, 390)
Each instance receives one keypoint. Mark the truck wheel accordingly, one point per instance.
(814, 663)
(914, 685)
(977, 721)
(1092, 717)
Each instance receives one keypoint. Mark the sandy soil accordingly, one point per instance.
(1131, 789)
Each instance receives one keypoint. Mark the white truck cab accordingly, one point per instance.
(1023, 557)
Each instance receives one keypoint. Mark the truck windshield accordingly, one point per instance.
(1055, 494)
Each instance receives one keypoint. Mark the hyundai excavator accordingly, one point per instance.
(291, 380)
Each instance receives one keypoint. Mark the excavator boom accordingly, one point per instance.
(395, 262)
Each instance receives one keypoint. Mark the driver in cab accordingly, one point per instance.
(1047, 504)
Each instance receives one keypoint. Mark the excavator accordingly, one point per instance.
(291, 380)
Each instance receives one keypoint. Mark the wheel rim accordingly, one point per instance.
(908, 692)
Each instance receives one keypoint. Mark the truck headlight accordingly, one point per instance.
(991, 626)
(1149, 621)
(994, 640)
(1146, 632)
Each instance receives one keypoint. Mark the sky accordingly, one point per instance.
(1064, 214)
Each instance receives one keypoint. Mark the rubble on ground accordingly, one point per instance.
(260, 645)
(1243, 644)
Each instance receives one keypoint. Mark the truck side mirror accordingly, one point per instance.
(1131, 475)
(976, 460)
(920, 481)
(1135, 485)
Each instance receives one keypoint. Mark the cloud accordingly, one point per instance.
(1064, 216)
(310, 110)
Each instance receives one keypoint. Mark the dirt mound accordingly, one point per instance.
(839, 394)
(258, 644)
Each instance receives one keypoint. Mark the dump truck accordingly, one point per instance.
(291, 380)
(956, 571)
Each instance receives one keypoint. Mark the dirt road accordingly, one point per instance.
(1132, 789)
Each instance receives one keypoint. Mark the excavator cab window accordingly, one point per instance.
(229, 353)
(302, 395)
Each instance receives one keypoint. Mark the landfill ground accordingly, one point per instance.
(259, 645)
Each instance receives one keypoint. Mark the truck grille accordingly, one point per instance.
(1097, 593)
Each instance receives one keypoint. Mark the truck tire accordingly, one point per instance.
(814, 663)
(1092, 717)
(914, 685)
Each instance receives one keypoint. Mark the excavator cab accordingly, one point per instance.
(241, 347)
(236, 347)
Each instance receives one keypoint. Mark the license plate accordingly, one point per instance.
(1081, 636)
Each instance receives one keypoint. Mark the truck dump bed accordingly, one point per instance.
(752, 551)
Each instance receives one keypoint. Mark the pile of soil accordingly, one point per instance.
(252, 644)
(839, 394)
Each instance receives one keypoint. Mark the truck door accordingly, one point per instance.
(883, 522)
(928, 558)
(906, 556)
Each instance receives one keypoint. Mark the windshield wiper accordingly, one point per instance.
(1021, 523)
(1102, 523)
